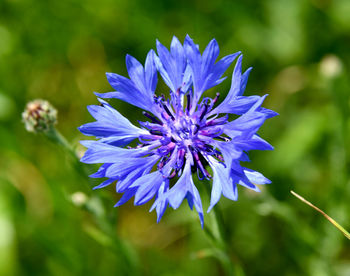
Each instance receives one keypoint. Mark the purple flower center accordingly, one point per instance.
(183, 129)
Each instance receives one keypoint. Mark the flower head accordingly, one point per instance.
(39, 116)
(181, 135)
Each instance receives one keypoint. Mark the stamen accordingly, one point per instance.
(215, 99)
(166, 109)
(200, 174)
(212, 132)
(220, 157)
(195, 129)
(173, 174)
(210, 150)
(226, 139)
(180, 158)
(218, 121)
(188, 103)
(155, 132)
(146, 138)
(204, 111)
(154, 119)
(199, 163)
(161, 163)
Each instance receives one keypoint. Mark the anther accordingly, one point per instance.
(218, 156)
(154, 119)
(199, 163)
(161, 164)
(226, 139)
(188, 102)
(172, 175)
(216, 98)
(166, 109)
(204, 111)
(155, 132)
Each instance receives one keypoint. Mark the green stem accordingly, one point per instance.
(221, 238)
(58, 138)
(219, 219)
(106, 235)
(55, 136)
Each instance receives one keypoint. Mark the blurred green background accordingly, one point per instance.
(51, 223)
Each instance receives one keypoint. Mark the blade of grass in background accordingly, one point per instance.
(336, 224)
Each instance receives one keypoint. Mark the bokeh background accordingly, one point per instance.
(51, 223)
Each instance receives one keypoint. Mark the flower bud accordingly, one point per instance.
(39, 116)
(331, 66)
(79, 199)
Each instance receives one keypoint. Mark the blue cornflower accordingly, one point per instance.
(181, 135)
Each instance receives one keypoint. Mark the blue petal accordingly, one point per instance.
(269, 113)
(209, 57)
(178, 192)
(126, 91)
(238, 176)
(187, 79)
(236, 79)
(185, 187)
(238, 105)
(104, 183)
(194, 58)
(248, 124)
(126, 182)
(172, 65)
(190, 201)
(136, 72)
(163, 72)
(101, 171)
(245, 126)
(126, 196)
(244, 157)
(256, 177)
(151, 78)
(229, 190)
(222, 183)
(219, 176)
(247, 184)
(205, 72)
(118, 141)
(132, 172)
(138, 90)
(147, 185)
(234, 102)
(244, 80)
(103, 153)
(109, 123)
(254, 143)
(167, 61)
(178, 56)
(122, 84)
(162, 202)
(112, 128)
(197, 203)
(126, 165)
(218, 70)
(229, 151)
